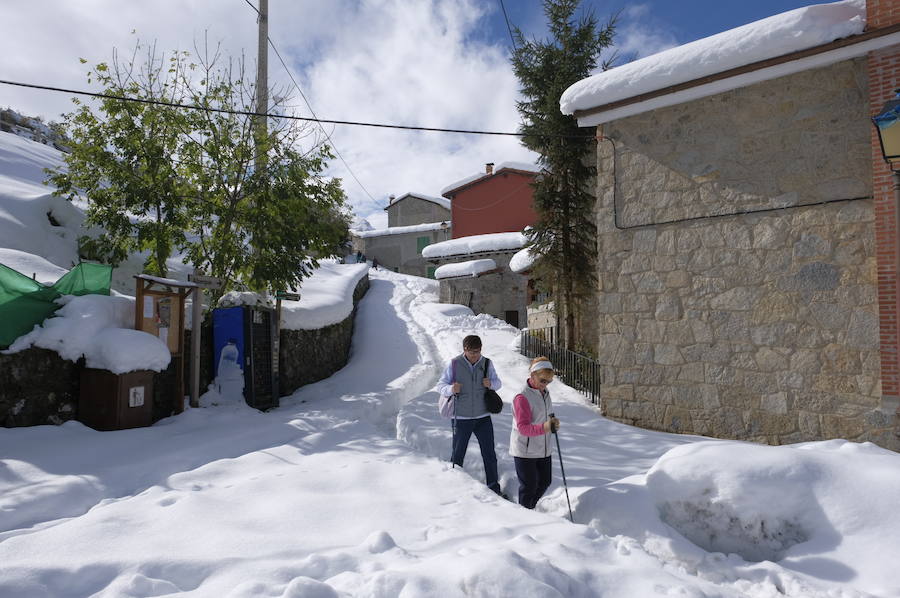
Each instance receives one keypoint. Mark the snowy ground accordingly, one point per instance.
(345, 490)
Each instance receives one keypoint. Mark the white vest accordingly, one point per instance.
(532, 447)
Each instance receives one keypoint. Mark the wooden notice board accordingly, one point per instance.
(159, 310)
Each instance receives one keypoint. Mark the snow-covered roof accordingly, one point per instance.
(444, 203)
(399, 230)
(510, 165)
(475, 244)
(471, 268)
(522, 261)
(761, 40)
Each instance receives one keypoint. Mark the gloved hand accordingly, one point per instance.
(551, 426)
(456, 387)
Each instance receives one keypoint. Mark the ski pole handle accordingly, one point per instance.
(553, 426)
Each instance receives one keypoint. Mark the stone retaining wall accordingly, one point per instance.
(311, 355)
(761, 326)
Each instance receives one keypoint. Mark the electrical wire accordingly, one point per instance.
(311, 111)
(501, 199)
(286, 116)
(302, 95)
(508, 28)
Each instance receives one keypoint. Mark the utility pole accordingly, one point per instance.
(262, 84)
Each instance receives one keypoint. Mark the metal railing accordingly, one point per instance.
(578, 371)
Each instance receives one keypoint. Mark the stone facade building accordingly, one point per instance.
(416, 208)
(739, 291)
(414, 222)
(499, 291)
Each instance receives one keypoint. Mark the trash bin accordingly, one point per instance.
(115, 401)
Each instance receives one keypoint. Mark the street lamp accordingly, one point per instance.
(887, 123)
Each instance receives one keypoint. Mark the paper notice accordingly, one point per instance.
(164, 335)
(136, 396)
(148, 307)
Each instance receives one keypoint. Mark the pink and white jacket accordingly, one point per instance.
(531, 408)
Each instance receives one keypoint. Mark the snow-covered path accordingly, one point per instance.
(345, 491)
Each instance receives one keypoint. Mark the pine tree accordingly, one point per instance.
(565, 235)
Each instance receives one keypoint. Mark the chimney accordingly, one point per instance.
(489, 168)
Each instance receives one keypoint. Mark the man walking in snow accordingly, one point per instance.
(465, 379)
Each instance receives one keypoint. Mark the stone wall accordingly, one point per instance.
(412, 210)
(758, 326)
(400, 252)
(38, 387)
(494, 293)
(311, 355)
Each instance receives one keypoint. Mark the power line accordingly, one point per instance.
(302, 95)
(284, 116)
(508, 28)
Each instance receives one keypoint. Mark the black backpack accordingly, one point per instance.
(491, 399)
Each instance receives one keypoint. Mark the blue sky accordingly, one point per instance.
(437, 63)
(681, 20)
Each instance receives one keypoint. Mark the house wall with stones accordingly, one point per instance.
(758, 326)
(411, 210)
(494, 293)
(400, 252)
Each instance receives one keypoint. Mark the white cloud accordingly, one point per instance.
(639, 34)
(386, 61)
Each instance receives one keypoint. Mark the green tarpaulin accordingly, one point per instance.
(25, 302)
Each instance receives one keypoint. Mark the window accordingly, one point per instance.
(431, 270)
(422, 243)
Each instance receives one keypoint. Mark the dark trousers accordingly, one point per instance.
(483, 428)
(534, 479)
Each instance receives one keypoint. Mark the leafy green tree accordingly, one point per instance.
(565, 235)
(121, 160)
(168, 179)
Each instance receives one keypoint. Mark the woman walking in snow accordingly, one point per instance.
(529, 442)
(464, 379)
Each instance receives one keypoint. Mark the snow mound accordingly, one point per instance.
(98, 328)
(759, 502)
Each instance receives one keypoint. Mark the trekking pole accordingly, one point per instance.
(562, 469)
(453, 425)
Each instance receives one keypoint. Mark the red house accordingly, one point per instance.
(495, 201)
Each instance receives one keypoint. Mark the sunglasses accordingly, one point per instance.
(545, 381)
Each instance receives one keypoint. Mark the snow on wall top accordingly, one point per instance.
(470, 268)
(511, 165)
(326, 297)
(475, 244)
(398, 230)
(98, 328)
(784, 33)
(444, 203)
(522, 261)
